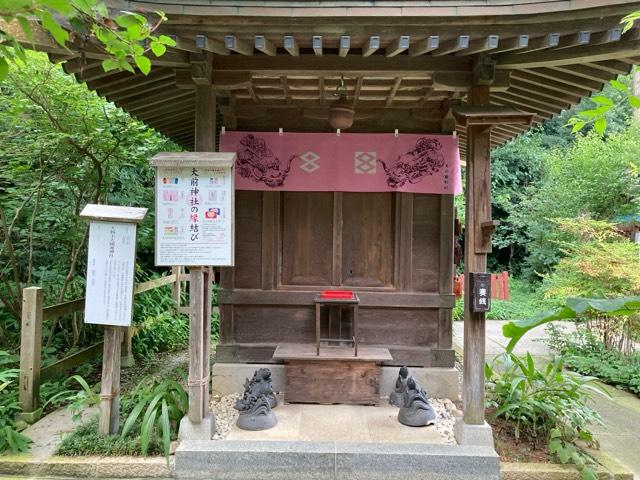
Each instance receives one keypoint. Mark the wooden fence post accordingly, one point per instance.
(30, 350)
(126, 357)
(176, 288)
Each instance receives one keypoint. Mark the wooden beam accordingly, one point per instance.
(550, 40)
(291, 46)
(461, 82)
(528, 105)
(423, 46)
(397, 46)
(148, 101)
(587, 72)
(264, 45)
(203, 42)
(568, 56)
(285, 89)
(231, 42)
(518, 42)
(453, 45)
(523, 87)
(575, 39)
(185, 44)
(316, 42)
(30, 349)
(480, 45)
(478, 209)
(352, 66)
(371, 46)
(569, 79)
(123, 82)
(344, 46)
(165, 107)
(321, 91)
(392, 92)
(144, 89)
(539, 97)
(534, 81)
(357, 90)
(611, 35)
(612, 66)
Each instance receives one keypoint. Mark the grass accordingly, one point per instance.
(86, 440)
(525, 302)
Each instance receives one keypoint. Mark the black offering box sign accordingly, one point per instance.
(480, 292)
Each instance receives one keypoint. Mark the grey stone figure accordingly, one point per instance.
(256, 403)
(397, 396)
(257, 415)
(416, 410)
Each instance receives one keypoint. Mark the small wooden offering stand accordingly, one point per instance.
(333, 374)
(339, 299)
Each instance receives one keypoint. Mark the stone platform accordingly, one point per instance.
(273, 460)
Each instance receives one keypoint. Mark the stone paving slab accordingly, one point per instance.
(235, 460)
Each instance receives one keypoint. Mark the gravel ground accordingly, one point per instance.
(226, 416)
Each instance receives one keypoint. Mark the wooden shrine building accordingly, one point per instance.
(485, 69)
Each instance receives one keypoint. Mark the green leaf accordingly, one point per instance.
(59, 34)
(131, 419)
(143, 63)
(588, 474)
(4, 68)
(166, 429)
(145, 432)
(158, 49)
(619, 86)
(634, 101)
(26, 27)
(165, 40)
(63, 6)
(129, 18)
(602, 100)
(110, 64)
(600, 125)
(577, 126)
(135, 32)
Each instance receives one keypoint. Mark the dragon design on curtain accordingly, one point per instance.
(425, 159)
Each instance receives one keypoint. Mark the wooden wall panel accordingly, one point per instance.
(426, 243)
(307, 238)
(274, 324)
(368, 239)
(248, 239)
(404, 327)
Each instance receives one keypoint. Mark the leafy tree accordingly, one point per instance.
(590, 178)
(62, 146)
(123, 38)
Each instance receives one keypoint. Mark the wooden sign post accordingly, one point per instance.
(109, 294)
(195, 228)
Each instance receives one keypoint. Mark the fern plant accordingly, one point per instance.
(10, 438)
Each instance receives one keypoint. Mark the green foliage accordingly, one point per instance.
(163, 405)
(123, 38)
(61, 146)
(10, 438)
(585, 353)
(76, 400)
(573, 308)
(599, 262)
(158, 328)
(548, 403)
(151, 415)
(86, 440)
(591, 178)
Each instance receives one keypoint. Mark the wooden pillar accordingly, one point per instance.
(30, 348)
(110, 386)
(478, 210)
(200, 280)
(126, 358)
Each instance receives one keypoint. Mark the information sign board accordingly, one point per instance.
(110, 272)
(194, 215)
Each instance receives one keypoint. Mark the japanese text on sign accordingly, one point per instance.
(110, 268)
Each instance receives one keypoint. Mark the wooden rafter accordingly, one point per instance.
(392, 92)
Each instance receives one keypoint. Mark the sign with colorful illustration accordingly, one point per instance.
(110, 269)
(350, 162)
(194, 216)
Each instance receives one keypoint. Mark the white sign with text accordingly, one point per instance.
(110, 273)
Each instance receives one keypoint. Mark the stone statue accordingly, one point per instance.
(257, 414)
(416, 410)
(396, 397)
(256, 403)
(260, 384)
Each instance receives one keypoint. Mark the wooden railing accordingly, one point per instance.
(32, 374)
(499, 286)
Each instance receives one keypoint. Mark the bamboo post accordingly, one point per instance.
(110, 387)
(30, 351)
